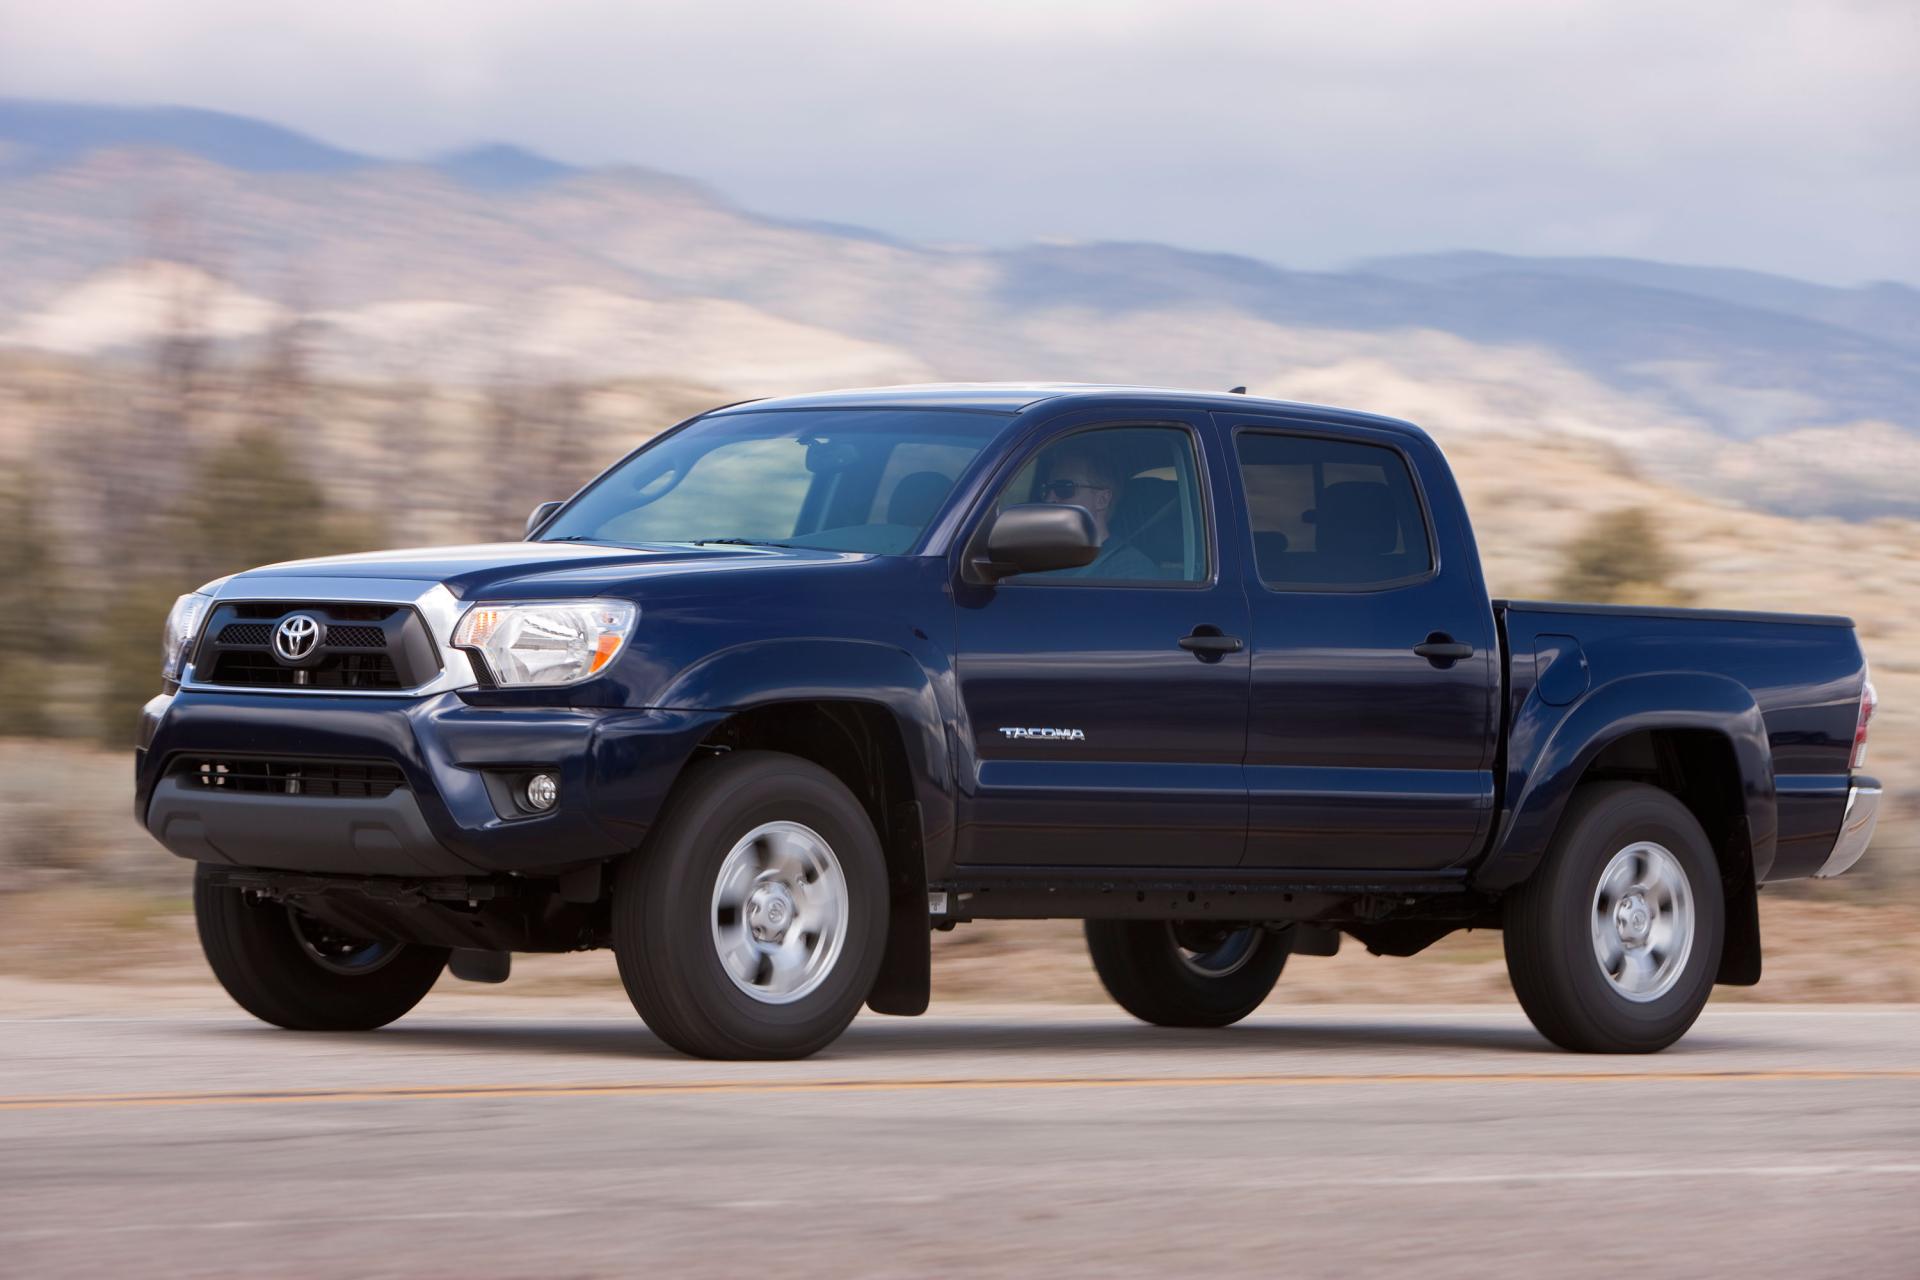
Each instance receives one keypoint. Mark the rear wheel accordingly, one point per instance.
(1613, 943)
(1187, 974)
(751, 925)
(291, 969)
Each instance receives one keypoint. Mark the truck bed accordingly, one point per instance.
(1803, 672)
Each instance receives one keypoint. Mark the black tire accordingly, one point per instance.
(1156, 970)
(664, 911)
(254, 950)
(1552, 955)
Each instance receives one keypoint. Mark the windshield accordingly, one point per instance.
(836, 479)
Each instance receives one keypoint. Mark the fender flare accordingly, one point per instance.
(1540, 786)
(767, 672)
(763, 672)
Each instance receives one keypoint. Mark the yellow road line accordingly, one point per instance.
(400, 1093)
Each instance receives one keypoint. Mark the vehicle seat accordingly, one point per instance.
(1356, 534)
(917, 497)
(1147, 518)
(1269, 550)
(1355, 518)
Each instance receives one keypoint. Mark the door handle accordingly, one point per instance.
(1441, 647)
(1207, 643)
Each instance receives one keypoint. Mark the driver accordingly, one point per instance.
(1080, 476)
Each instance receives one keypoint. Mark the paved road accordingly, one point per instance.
(555, 1140)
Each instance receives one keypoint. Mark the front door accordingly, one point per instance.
(1374, 717)
(1105, 708)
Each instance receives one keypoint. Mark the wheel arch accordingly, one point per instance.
(862, 743)
(1702, 740)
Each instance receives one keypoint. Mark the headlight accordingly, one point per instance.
(183, 624)
(546, 644)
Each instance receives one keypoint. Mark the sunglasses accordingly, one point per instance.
(1064, 489)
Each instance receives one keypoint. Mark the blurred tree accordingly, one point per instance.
(26, 592)
(251, 503)
(563, 415)
(1620, 557)
(391, 478)
(536, 434)
(150, 443)
(126, 652)
(503, 433)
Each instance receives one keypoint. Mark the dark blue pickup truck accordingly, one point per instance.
(800, 680)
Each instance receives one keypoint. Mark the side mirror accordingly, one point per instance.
(540, 514)
(1036, 537)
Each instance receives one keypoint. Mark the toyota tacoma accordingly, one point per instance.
(800, 680)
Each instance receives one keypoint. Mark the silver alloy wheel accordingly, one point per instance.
(1214, 952)
(1643, 921)
(779, 912)
(338, 952)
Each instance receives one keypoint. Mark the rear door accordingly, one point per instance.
(1091, 737)
(1375, 679)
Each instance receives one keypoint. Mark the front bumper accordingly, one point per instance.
(615, 767)
(1856, 828)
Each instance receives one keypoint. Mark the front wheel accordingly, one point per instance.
(291, 969)
(1613, 943)
(1187, 974)
(752, 923)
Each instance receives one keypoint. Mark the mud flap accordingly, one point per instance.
(1740, 953)
(905, 984)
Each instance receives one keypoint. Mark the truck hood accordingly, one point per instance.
(562, 568)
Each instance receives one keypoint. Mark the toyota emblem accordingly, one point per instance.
(295, 639)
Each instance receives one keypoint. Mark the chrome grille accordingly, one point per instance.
(363, 647)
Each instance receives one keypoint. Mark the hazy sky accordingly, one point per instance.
(1777, 134)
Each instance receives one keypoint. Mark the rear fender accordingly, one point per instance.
(1551, 748)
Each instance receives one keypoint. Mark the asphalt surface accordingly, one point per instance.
(521, 1139)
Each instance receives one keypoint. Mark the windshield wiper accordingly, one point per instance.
(735, 542)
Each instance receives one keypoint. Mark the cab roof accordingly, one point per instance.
(1017, 397)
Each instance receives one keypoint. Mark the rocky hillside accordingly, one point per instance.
(119, 226)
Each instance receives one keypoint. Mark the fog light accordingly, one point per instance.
(542, 790)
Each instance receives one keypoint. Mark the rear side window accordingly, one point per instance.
(1331, 513)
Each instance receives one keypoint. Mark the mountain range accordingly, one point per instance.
(117, 222)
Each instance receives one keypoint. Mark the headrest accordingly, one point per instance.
(917, 496)
(1144, 498)
(1355, 518)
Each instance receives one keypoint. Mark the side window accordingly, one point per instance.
(1140, 485)
(1332, 513)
